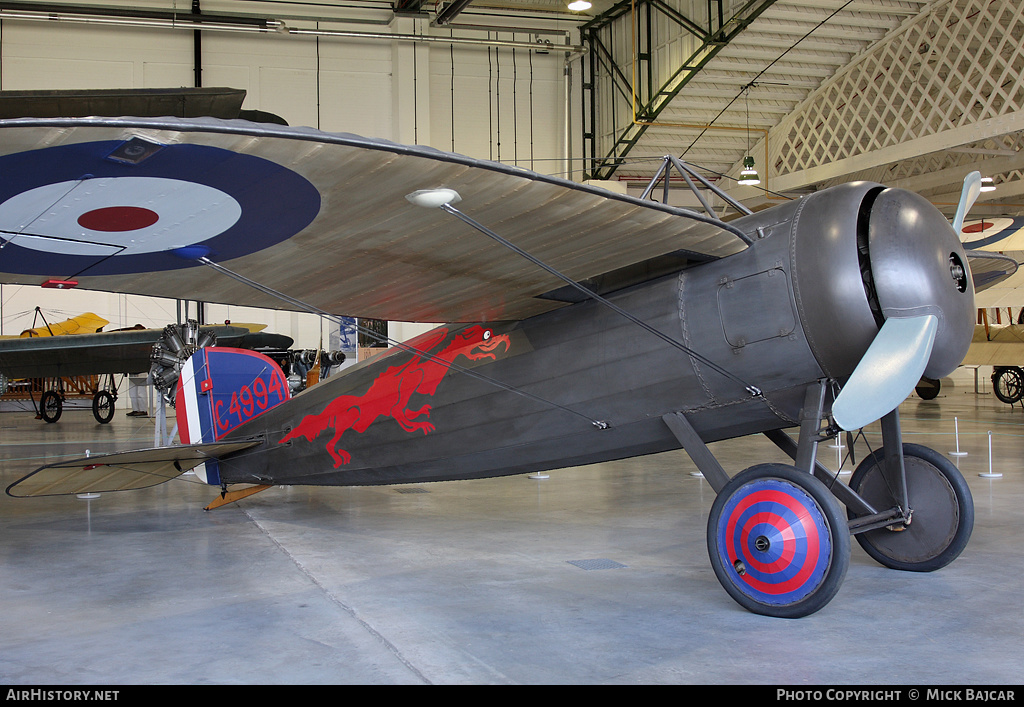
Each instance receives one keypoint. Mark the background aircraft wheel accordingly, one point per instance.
(942, 506)
(778, 541)
(928, 388)
(103, 407)
(51, 406)
(1008, 384)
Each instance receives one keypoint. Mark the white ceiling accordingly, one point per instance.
(909, 92)
(912, 93)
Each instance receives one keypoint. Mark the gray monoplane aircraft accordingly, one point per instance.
(583, 326)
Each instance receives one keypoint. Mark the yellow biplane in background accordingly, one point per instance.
(76, 359)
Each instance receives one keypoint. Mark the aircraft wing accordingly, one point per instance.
(992, 243)
(996, 345)
(120, 471)
(129, 204)
(92, 354)
(990, 269)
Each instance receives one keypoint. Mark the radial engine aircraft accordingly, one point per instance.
(582, 326)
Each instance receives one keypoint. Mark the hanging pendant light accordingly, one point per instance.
(748, 175)
(579, 5)
(987, 184)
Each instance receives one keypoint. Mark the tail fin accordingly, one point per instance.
(220, 389)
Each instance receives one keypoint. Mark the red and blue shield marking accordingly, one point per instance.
(220, 389)
(94, 212)
(778, 533)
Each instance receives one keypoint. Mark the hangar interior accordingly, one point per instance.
(594, 574)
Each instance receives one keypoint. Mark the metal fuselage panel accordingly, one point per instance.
(577, 365)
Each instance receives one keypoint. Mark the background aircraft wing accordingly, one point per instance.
(990, 269)
(995, 246)
(92, 354)
(128, 204)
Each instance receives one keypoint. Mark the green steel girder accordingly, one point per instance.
(649, 100)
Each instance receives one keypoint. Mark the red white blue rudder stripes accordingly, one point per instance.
(220, 389)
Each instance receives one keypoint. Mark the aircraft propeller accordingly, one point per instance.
(968, 195)
(888, 372)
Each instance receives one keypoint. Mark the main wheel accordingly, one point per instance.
(942, 510)
(928, 388)
(103, 407)
(51, 406)
(1008, 384)
(778, 541)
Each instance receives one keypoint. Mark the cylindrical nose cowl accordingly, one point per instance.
(919, 267)
(863, 253)
(828, 278)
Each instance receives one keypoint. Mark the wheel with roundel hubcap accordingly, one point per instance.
(778, 541)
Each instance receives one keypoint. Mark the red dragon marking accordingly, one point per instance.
(389, 394)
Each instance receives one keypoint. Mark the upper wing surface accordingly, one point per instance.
(127, 204)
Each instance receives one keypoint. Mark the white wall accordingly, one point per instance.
(394, 90)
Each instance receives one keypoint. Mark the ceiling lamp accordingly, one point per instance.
(748, 176)
(579, 5)
(987, 184)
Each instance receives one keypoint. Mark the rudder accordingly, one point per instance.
(220, 389)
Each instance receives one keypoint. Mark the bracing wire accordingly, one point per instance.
(393, 342)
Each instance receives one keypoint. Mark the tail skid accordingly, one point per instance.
(227, 497)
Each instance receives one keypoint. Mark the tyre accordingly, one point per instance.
(778, 541)
(1008, 384)
(940, 502)
(103, 407)
(928, 388)
(51, 406)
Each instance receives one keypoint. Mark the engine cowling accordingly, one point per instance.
(863, 254)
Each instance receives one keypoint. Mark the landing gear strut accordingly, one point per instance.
(777, 538)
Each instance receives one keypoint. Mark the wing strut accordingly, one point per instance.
(600, 424)
(443, 199)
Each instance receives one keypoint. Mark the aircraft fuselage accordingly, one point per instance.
(583, 384)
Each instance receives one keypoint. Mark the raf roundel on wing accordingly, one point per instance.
(96, 214)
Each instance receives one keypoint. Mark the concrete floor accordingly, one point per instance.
(597, 574)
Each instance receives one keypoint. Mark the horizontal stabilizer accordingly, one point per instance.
(121, 471)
